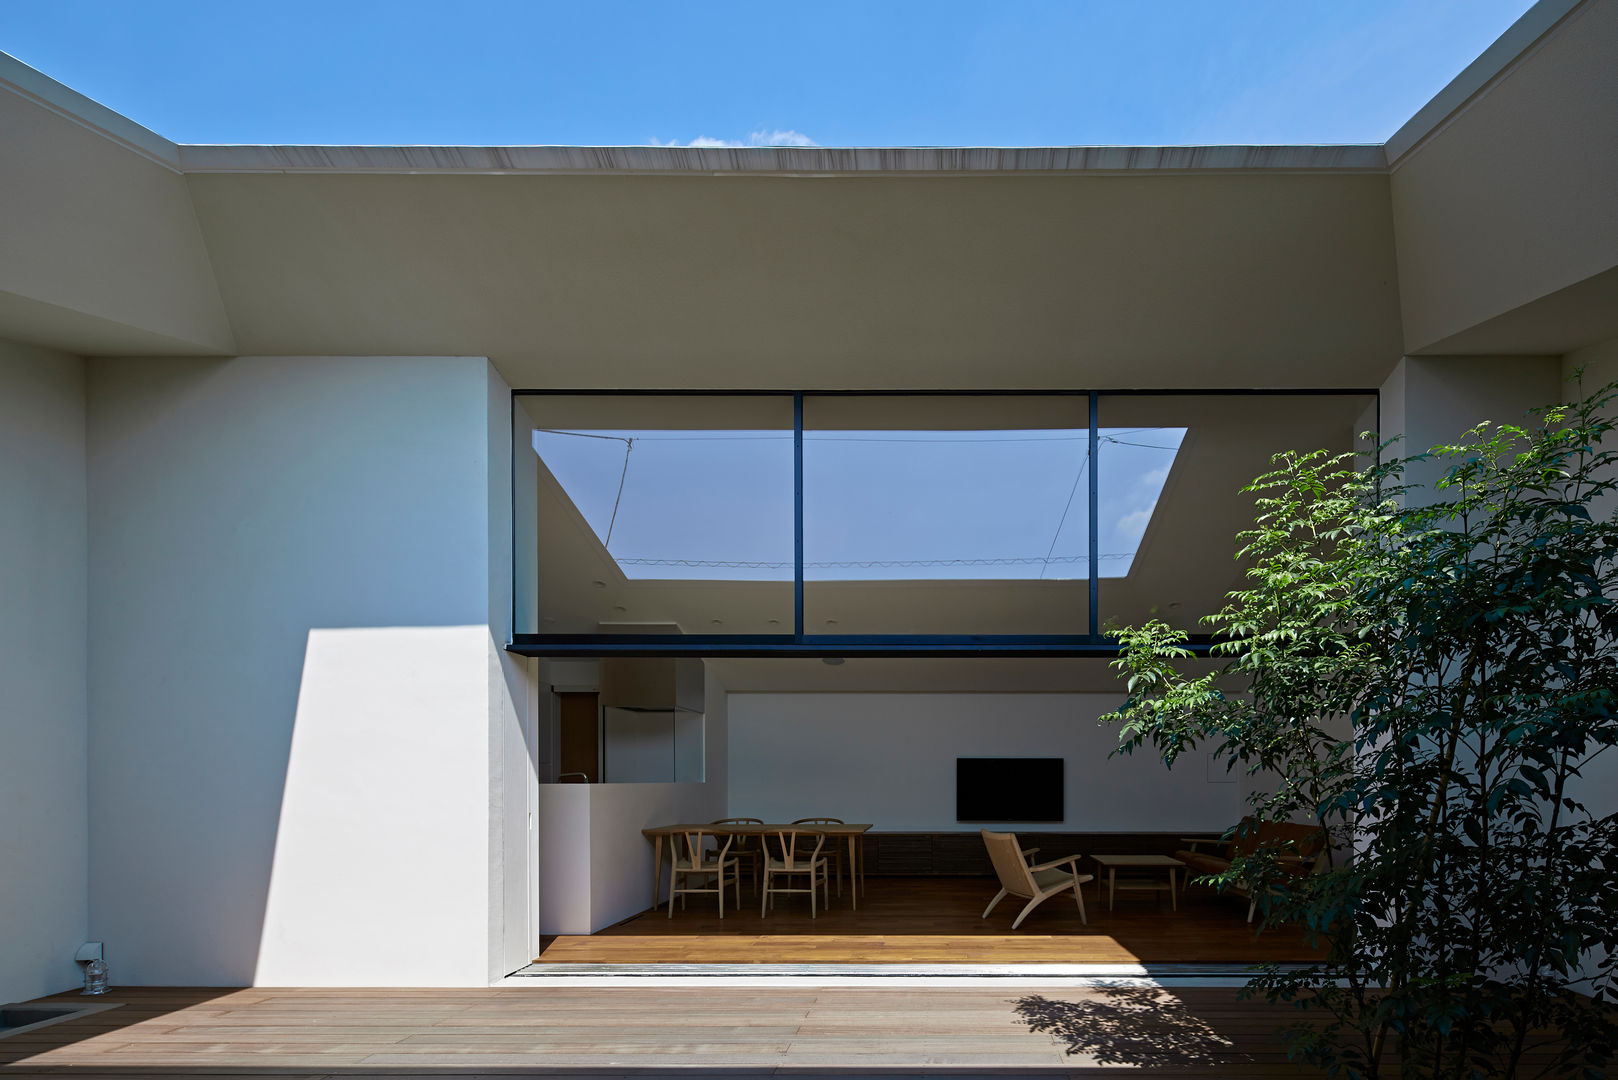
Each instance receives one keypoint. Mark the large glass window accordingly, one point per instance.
(656, 514)
(946, 515)
(1171, 470)
(956, 516)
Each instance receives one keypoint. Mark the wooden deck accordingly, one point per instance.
(939, 921)
(307, 1033)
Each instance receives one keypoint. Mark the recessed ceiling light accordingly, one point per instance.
(719, 622)
(619, 608)
(832, 661)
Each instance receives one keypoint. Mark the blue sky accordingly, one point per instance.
(829, 73)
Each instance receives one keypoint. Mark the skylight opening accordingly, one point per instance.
(879, 505)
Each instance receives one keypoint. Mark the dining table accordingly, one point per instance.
(853, 834)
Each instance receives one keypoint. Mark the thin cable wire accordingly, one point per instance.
(580, 434)
(629, 444)
(1085, 464)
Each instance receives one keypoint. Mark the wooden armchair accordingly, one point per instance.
(1036, 883)
(836, 848)
(1304, 847)
(746, 850)
(701, 861)
(793, 861)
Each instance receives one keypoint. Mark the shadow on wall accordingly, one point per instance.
(295, 563)
(383, 835)
(1129, 1026)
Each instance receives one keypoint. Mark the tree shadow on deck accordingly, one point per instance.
(1134, 1026)
(116, 1012)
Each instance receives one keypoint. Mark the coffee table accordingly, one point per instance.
(1139, 876)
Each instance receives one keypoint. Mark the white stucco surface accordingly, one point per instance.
(293, 689)
(1512, 198)
(43, 719)
(100, 244)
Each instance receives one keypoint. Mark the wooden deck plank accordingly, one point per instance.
(310, 1033)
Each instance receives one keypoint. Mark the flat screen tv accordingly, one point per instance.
(1009, 789)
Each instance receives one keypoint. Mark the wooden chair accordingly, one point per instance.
(701, 862)
(1301, 848)
(836, 848)
(746, 850)
(792, 862)
(1037, 883)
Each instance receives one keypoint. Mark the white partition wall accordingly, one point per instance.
(595, 867)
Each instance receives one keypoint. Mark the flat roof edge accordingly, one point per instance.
(778, 161)
(1518, 41)
(34, 85)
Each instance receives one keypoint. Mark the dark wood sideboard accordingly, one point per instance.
(961, 854)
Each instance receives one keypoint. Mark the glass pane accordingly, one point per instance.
(946, 515)
(656, 514)
(1170, 500)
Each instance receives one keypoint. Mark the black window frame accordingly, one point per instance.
(801, 644)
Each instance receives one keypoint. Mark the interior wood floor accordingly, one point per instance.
(634, 1031)
(919, 920)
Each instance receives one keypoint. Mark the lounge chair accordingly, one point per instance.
(1037, 883)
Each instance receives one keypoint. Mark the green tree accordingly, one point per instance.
(1426, 674)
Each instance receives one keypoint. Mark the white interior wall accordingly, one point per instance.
(638, 747)
(595, 867)
(889, 759)
(291, 688)
(43, 712)
(620, 857)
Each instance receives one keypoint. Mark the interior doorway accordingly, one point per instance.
(579, 730)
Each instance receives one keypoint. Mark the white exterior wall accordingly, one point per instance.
(294, 674)
(101, 246)
(1432, 400)
(889, 759)
(1511, 198)
(43, 715)
(1599, 366)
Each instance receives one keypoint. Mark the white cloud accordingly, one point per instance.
(1132, 526)
(700, 140)
(757, 138)
(780, 138)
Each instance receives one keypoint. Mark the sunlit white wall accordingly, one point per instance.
(43, 826)
(374, 880)
(294, 677)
